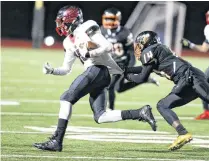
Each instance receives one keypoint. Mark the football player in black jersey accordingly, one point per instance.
(202, 48)
(190, 82)
(123, 52)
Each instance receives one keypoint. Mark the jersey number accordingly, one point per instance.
(77, 54)
(148, 56)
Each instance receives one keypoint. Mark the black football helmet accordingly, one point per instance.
(111, 18)
(147, 38)
(68, 18)
(144, 40)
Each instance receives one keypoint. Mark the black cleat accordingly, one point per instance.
(146, 115)
(51, 145)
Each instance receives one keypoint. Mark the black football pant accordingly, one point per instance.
(205, 104)
(93, 81)
(188, 88)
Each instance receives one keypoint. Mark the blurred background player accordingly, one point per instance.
(123, 52)
(202, 48)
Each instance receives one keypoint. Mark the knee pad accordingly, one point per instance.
(161, 106)
(68, 96)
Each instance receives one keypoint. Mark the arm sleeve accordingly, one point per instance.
(104, 45)
(67, 64)
(132, 60)
(135, 70)
(143, 76)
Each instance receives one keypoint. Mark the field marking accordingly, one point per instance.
(87, 129)
(90, 158)
(163, 134)
(112, 135)
(10, 103)
(87, 102)
(74, 115)
(202, 146)
(118, 135)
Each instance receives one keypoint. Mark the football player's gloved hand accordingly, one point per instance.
(47, 69)
(187, 43)
(87, 55)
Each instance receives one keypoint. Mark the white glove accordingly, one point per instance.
(47, 69)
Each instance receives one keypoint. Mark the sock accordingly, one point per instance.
(110, 116)
(61, 128)
(65, 110)
(181, 130)
(130, 114)
(64, 115)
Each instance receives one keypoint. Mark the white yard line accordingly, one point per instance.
(10, 103)
(90, 158)
(87, 102)
(118, 135)
(74, 115)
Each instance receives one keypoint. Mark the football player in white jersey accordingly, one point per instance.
(98, 66)
(202, 48)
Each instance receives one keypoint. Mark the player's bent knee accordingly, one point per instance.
(160, 106)
(67, 96)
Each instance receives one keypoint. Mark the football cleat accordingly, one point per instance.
(51, 145)
(180, 141)
(146, 115)
(203, 116)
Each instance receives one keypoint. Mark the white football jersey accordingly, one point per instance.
(75, 47)
(206, 32)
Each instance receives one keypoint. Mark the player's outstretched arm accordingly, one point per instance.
(64, 69)
(141, 77)
(133, 70)
(202, 48)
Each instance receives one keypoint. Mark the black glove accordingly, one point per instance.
(87, 55)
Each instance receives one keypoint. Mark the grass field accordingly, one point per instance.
(33, 116)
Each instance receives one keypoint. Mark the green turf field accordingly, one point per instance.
(33, 116)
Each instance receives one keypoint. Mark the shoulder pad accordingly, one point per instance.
(90, 27)
(92, 30)
(147, 57)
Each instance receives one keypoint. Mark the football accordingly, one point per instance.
(91, 45)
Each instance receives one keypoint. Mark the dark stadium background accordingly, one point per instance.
(16, 19)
